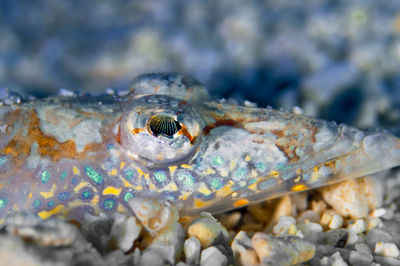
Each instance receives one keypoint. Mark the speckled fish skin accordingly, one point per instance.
(68, 156)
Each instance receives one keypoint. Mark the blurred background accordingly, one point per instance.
(336, 59)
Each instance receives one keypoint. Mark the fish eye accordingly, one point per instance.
(159, 129)
(164, 125)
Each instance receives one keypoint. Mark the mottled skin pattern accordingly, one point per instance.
(72, 155)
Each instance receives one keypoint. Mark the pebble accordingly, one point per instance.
(230, 221)
(309, 227)
(334, 260)
(357, 227)
(213, 256)
(125, 230)
(310, 216)
(208, 231)
(354, 197)
(168, 243)
(377, 235)
(361, 256)
(386, 249)
(153, 215)
(242, 248)
(335, 222)
(192, 249)
(285, 226)
(282, 250)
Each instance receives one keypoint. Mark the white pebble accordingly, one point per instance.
(357, 227)
(336, 222)
(378, 212)
(374, 222)
(310, 227)
(334, 260)
(212, 256)
(286, 225)
(192, 249)
(361, 256)
(387, 249)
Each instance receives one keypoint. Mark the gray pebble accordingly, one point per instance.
(192, 250)
(212, 256)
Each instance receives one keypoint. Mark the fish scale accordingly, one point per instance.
(168, 140)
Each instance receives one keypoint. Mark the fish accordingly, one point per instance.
(167, 139)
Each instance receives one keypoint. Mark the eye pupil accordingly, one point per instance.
(164, 125)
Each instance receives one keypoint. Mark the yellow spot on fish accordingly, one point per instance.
(297, 179)
(113, 172)
(172, 169)
(187, 166)
(171, 187)
(75, 171)
(126, 183)
(95, 200)
(247, 158)
(49, 194)
(299, 187)
(204, 190)
(112, 191)
(232, 165)
(152, 187)
(122, 165)
(47, 214)
(254, 186)
(224, 173)
(225, 190)
(80, 185)
(30, 195)
(209, 171)
(198, 203)
(184, 195)
(274, 173)
(140, 171)
(240, 202)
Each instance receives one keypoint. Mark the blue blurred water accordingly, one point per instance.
(335, 59)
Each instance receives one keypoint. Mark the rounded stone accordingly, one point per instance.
(208, 231)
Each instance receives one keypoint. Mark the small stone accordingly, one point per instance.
(125, 230)
(285, 224)
(153, 214)
(373, 222)
(377, 235)
(282, 251)
(212, 256)
(334, 260)
(208, 231)
(230, 221)
(242, 248)
(192, 250)
(168, 244)
(361, 256)
(357, 227)
(336, 222)
(387, 261)
(318, 206)
(283, 207)
(378, 212)
(387, 249)
(309, 227)
(150, 258)
(354, 197)
(310, 216)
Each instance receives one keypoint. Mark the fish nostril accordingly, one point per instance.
(164, 125)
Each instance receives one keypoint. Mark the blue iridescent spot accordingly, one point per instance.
(45, 176)
(3, 203)
(160, 176)
(36, 203)
(187, 179)
(63, 175)
(64, 195)
(127, 196)
(86, 194)
(3, 159)
(50, 204)
(217, 161)
(109, 203)
(110, 146)
(129, 174)
(240, 173)
(261, 166)
(74, 180)
(215, 183)
(94, 175)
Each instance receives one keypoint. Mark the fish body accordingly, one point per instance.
(168, 140)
